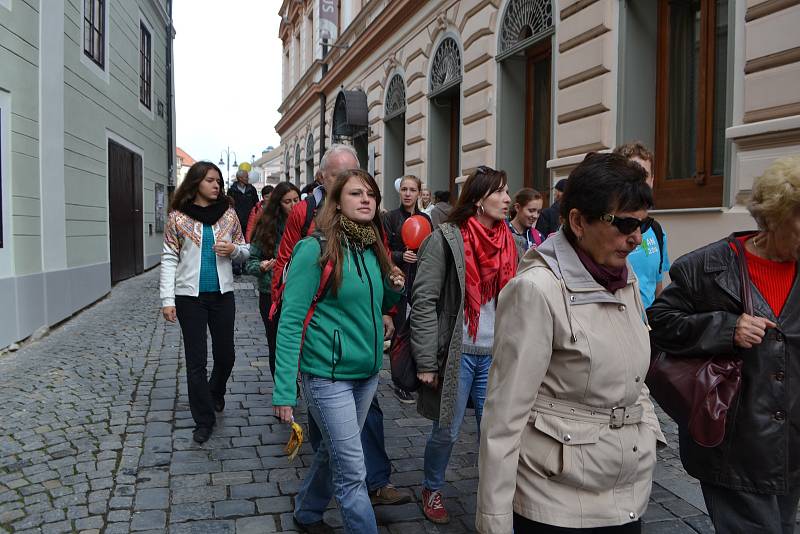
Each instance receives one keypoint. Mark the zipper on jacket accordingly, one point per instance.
(372, 313)
(337, 337)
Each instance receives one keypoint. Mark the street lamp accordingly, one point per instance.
(227, 161)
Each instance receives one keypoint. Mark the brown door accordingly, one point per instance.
(537, 118)
(125, 212)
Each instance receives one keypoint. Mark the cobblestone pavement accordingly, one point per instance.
(95, 436)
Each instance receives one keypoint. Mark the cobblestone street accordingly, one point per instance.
(95, 436)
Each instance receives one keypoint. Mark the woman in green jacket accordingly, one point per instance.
(263, 250)
(341, 351)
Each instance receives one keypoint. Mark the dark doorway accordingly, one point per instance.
(445, 140)
(126, 233)
(360, 143)
(394, 152)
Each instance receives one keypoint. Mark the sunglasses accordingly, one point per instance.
(628, 225)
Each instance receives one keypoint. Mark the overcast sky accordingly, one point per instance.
(227, 76)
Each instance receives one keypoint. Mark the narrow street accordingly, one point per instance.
(95, 436)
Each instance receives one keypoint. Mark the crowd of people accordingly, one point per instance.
(543, 319)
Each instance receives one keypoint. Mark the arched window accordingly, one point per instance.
(446, 67)
(310, 158)
(395, 98)
(523, 22)
(297, 165)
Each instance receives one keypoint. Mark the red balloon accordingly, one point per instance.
(414, 231)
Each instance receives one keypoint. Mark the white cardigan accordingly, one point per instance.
(180, 259)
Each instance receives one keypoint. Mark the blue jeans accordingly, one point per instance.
(471, 383)
(372, 442)
(340, 409)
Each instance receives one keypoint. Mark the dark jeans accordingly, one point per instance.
(270, 327)
(734, 512)
(215, 312)
(523, 525)
(372, 443)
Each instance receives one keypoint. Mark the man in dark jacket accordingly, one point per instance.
(244, 197)
(550, 218)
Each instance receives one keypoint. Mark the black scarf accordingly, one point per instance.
(206, 214)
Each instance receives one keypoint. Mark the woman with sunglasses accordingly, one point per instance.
(568, 442)
(462, 267)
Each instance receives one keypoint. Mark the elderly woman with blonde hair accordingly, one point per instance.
(751, 481)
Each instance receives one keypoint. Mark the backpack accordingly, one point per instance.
(277, 297)
(660, 238)
(324, 284)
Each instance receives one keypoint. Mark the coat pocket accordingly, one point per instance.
(573, 453)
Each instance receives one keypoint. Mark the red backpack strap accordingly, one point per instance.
(324, 281)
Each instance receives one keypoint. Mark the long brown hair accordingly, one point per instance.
(481, 182)
(329, 223)
(272, 217)
(187, 191)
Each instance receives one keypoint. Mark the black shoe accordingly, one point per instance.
(406, 397)
(219, 405)
(201, 434)
(320, 527)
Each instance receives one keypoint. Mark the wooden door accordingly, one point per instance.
(125, 212)
(455, 141)
(538, 89)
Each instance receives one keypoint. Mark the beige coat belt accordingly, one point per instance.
(615, 417)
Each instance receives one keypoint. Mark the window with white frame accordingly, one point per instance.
(94, 31)
(145, 66)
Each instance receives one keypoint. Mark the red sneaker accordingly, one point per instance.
(433, 508)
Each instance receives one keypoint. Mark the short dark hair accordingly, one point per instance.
(481, 182)
(441, 196)
(266, 190)
(605, 183)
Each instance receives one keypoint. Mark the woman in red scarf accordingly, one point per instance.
(461, 269)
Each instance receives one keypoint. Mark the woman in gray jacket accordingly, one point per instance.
(461, 269)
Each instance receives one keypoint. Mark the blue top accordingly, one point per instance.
(645, 261)
(209, 279)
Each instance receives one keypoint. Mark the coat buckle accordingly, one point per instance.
(617, 417)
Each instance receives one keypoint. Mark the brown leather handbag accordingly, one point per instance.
(698, 392)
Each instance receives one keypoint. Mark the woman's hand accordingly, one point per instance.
(224, 248)
(429, 379)
(409, 256)
(750, 330)
(397, 278)
(388, 327)
(266, 265)
(284, 413)
(169, 313)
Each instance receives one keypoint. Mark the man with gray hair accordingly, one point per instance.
(300, 224)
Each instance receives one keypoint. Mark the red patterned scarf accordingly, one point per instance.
(491, 261)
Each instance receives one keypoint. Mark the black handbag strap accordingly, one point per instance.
(744, 277)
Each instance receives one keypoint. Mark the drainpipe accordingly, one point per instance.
(170, 97)
(323, 100)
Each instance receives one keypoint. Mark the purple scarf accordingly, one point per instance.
(609, 277)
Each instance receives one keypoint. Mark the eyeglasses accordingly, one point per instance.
(628, 225)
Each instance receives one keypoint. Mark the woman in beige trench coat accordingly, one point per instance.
(568, 437)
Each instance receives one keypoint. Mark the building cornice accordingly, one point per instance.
(394, 15)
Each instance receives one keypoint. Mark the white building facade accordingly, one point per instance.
(435, 88)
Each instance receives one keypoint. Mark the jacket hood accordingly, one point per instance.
(557, 254)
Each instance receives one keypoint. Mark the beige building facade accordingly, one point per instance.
(436, 88)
